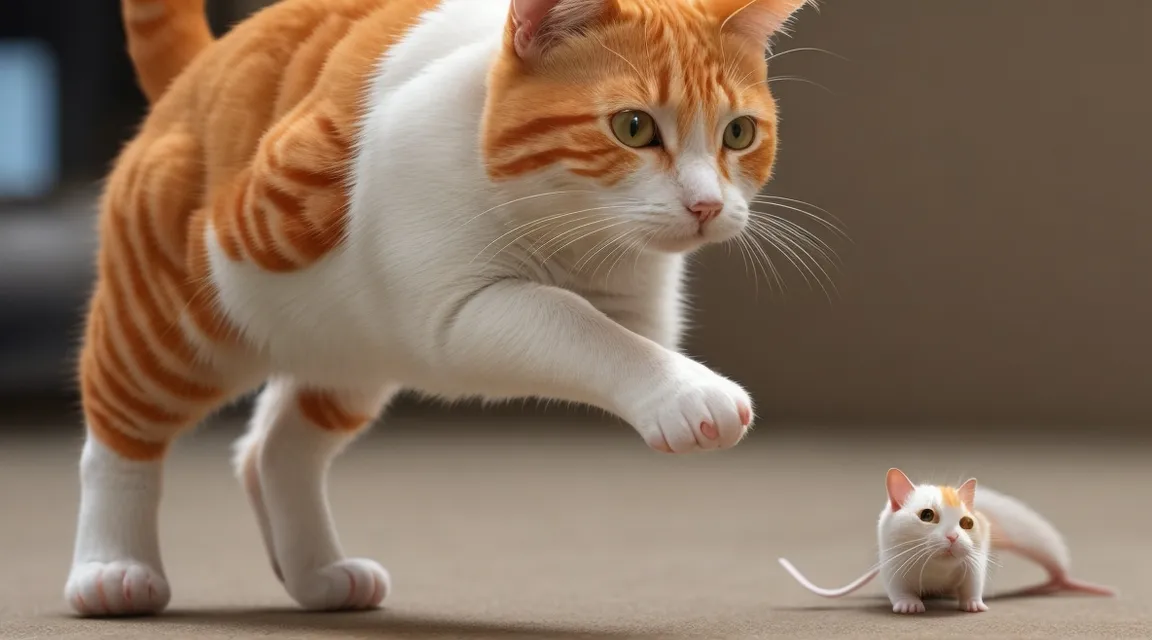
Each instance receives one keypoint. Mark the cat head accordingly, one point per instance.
(938, 520)
(661, 108)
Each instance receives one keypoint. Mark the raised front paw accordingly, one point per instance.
(973, 605)
(691, 408)
(908, 605)
(353, 583)
(122, 588)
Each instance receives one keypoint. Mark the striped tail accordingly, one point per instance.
(163, 37)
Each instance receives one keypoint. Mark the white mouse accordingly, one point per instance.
(935, 540)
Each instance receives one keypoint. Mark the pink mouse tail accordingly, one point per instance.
(828, 593)
(1059, 583)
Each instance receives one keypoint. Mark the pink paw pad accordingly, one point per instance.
(745, 415)
(709, 430)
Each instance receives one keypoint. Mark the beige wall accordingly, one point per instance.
(991, 160)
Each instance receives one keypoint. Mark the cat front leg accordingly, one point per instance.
(515, 338)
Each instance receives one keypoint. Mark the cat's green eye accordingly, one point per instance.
(927, 515)
(740, 133)
(635, 129)
(966, 523)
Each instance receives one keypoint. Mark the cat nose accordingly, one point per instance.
(706, 210)
(952, 537)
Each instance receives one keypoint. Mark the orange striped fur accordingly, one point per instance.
(642, 54)
(269, 176)
(324, 410)
(949, 496)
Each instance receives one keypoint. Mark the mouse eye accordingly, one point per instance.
(966, 523)
(927, 515)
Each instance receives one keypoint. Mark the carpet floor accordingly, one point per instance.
(560, 534)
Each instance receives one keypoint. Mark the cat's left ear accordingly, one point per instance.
(538, 24)
(967, 493)
(756, 19)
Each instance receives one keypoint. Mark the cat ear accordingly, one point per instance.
(899, 488)
(967, 493)
(756, 19)
(538, 24)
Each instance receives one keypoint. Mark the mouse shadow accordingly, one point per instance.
(937, 607)
(385, 623)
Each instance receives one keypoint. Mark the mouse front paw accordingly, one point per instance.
(908, 605)
(973, 605)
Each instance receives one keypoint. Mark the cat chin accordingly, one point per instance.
(678, 244)
(681, 242)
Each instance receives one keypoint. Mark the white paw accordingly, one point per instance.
(122, 588)
(354, 583)
(973, 605)
(690, 409)
(908, 605)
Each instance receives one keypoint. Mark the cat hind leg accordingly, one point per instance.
(283, 462)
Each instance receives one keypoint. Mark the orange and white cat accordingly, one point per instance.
(341, 199)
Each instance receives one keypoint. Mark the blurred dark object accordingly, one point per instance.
(988, 158)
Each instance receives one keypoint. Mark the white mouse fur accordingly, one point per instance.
(936, 540)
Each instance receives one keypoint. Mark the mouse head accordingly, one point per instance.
(938, 520)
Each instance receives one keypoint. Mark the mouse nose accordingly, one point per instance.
(706, 210)
(952, 537)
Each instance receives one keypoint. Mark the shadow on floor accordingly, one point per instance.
(379, 624)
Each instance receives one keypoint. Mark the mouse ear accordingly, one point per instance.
(899, 488)
(967, 493)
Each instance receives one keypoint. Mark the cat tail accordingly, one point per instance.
(828, 593)
(163, 37)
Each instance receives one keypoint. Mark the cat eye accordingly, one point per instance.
(927, 515)
(740, 133)
(635, 129)
(966, 523)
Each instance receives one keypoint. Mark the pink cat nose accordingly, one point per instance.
(952, 537)
(706, 210)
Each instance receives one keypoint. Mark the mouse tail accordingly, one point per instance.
(828, 593)
(1059, 583)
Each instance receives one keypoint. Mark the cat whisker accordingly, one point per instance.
(594, 231)
(619, 247)
(556, 233)
(529, 197)
(772, 79)
(632, 246)
(539, 235)
(619, 55)
(773, 56)
(597, 248)
(787, 232)
(532, 224)
(779, 202)
(785, 245)
(801, 234)
(636, 262)
(803, 230)
(760, 257)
